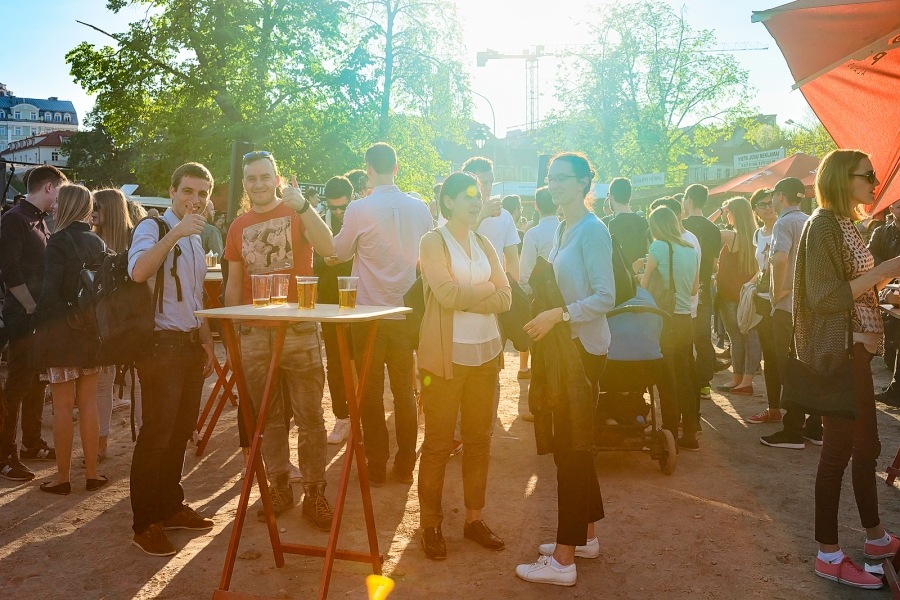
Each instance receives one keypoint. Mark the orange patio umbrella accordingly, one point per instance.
(802, 166)
(845, 59)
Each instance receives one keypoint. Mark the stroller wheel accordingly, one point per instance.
(668, 453)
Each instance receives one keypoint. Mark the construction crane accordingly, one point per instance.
(532, 56)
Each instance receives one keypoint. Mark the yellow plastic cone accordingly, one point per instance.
(380, 587)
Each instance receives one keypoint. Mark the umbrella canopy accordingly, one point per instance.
(845, 59)
(802, 166)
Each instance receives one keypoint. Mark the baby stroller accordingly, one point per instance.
(623, 420)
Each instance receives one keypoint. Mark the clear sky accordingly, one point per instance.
(508, 26)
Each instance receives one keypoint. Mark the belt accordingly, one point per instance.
(180, 337)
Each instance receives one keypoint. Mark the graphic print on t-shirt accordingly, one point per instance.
(266, 247)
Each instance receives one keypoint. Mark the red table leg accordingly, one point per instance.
(224, 384)
(254, 464)
(893, 471)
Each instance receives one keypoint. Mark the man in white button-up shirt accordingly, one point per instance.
(383, 231)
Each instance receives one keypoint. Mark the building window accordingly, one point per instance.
(57, 118)
(48, 117)
(17, 131)
(67, 118)
(33, 116)
(2, 131)
(17, 115)
(54, 156)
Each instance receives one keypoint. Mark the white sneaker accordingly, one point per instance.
(543, 572)
(589, 550)
(340, 433)
(295, 476)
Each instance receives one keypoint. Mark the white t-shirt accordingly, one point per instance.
(763, 251)
(500, 231)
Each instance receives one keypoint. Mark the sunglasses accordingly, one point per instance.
(870, 176)
(256, 154)
(334, 207)
(763, 204)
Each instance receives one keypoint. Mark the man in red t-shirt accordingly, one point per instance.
(278, 235)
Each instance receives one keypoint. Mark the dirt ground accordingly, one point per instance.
(733, 521)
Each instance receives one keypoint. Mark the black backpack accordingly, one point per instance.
(124, 309)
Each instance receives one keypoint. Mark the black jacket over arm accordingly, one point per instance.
(561, 396)
(58, 344)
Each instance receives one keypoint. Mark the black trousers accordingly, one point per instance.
(333, 371)
(765, 329)
(578, 490)
(793, 419)
(23, 391)
(171, 383)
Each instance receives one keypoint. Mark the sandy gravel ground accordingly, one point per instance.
(733, 521)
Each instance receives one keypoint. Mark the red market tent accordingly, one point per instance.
(802, 166)
(845, 59)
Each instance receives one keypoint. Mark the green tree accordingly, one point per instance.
(629, 99)
(95, 159)
(194, 75)
(808, 136)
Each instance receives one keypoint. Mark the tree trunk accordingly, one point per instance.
(384, 123)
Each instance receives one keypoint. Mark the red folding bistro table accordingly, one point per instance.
(285, 315)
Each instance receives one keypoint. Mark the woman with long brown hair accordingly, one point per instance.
(836, 304)
(67, 352)
(112, 223)
(737, 266)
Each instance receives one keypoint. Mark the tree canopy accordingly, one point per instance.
(290, 76)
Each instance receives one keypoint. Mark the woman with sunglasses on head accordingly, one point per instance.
(764, 209)
(68, 352)
(836, 303)
(464, 287)
(112, 223)
(737, 266)
(582, 264)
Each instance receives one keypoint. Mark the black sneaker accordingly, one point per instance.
(689, 443)
(814, 438)
(782, 439)
(12, 469)
(891, 399)
(42, 452)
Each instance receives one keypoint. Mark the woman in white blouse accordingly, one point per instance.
(464, 287)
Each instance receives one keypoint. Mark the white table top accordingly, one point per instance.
(323, 313)
(213, 276)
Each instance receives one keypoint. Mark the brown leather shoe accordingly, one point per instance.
(154, 542)
(187, 518)
(433, 543)
(479, 532)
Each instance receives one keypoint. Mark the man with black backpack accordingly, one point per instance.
(174, 368)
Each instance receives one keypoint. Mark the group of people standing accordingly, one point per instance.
(468, 258)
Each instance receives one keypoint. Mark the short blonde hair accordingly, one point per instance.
(833, 182)
(664, 226)
(74, 203)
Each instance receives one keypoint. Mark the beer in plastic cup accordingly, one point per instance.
(261, 286)
(347, 291)
(280, 283)
(306, 291)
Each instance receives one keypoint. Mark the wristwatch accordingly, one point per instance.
(566, 317)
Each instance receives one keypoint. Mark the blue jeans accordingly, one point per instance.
(171, 382)
(705, 362)
(745, 351)
(302, 379)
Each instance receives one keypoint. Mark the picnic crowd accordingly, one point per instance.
(797, 292)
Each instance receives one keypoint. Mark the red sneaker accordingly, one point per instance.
(848, 573)
(876, 552)
(766, 416)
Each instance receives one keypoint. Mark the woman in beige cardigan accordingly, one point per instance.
(465, 287)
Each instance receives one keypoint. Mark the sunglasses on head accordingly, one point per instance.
(257, 154)
(869, 176)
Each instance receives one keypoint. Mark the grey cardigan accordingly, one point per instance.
(822, 296)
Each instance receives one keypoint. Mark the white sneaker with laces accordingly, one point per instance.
(340, 433)
(589, 550)
(544, 572)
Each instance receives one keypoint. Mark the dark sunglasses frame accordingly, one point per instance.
(332, 207)
(256, 154)
(870, 176)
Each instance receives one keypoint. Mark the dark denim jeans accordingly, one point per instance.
(679, 369)
(171, 384)
(844, 439)
(765, 329)
(23, 390)
(469, 394)
(705, 362)
(391, 349)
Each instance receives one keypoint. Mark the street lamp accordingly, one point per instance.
(479, 138)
